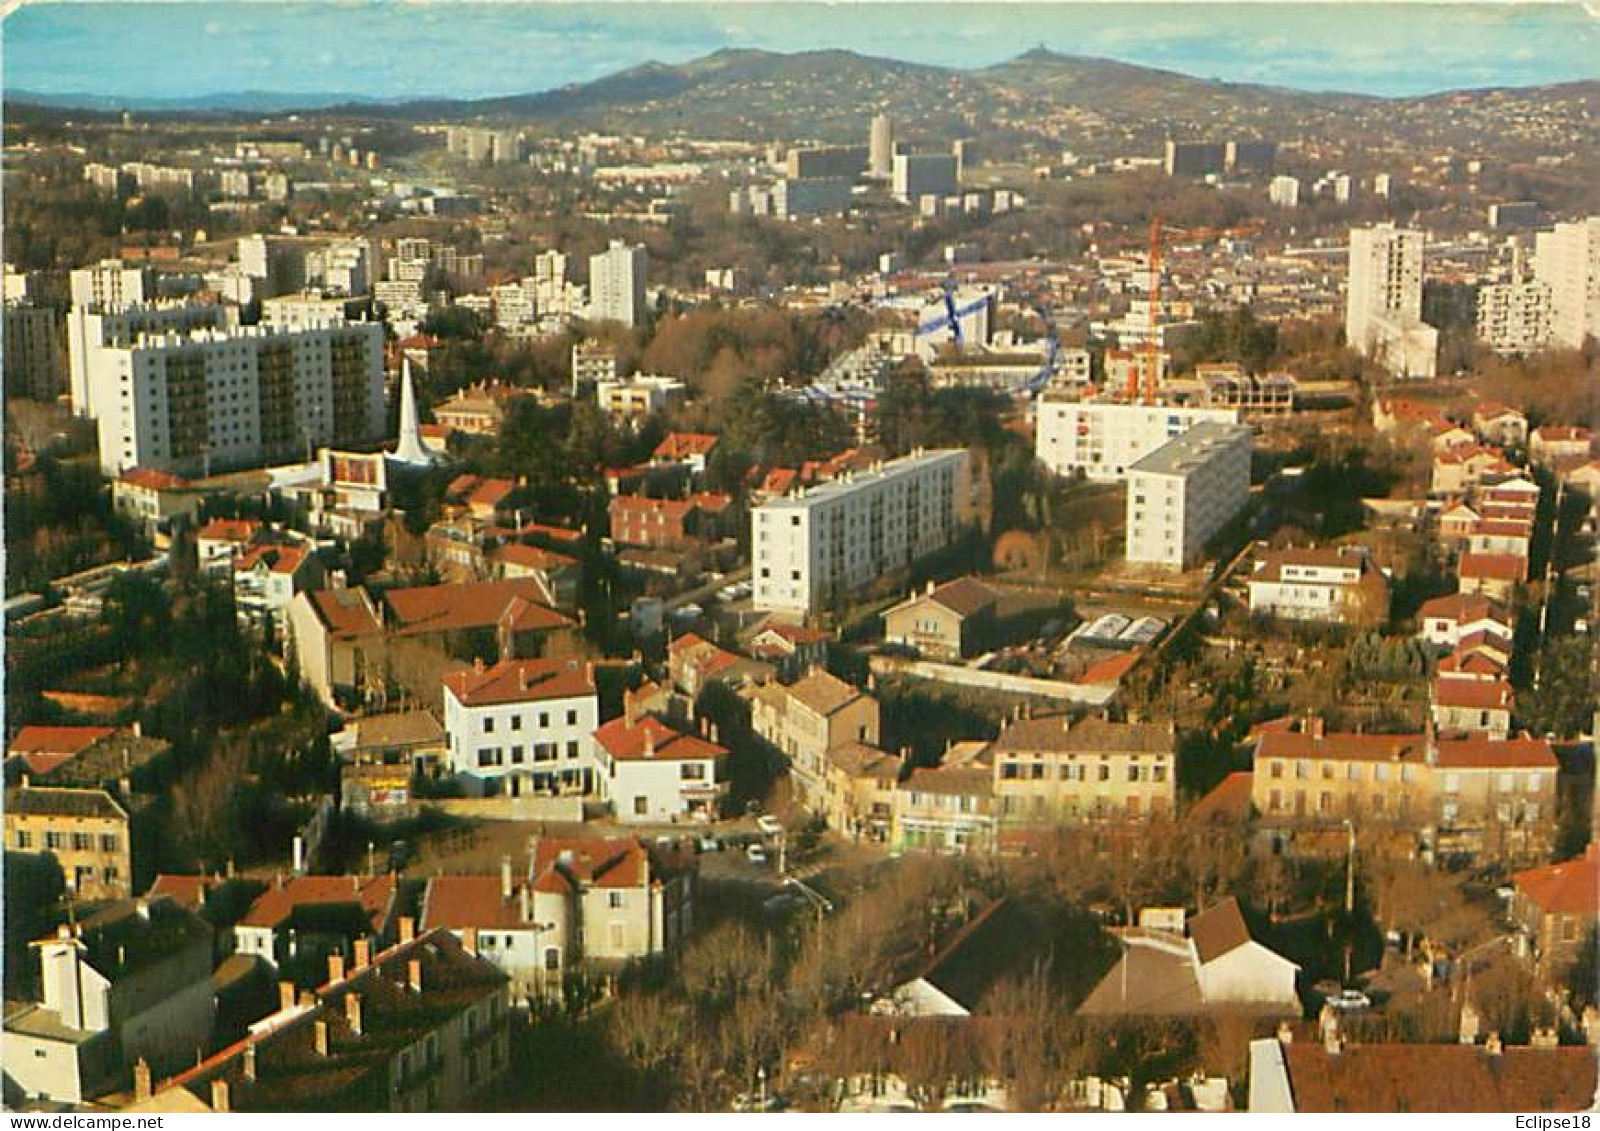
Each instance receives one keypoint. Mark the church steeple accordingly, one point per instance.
(410, 448)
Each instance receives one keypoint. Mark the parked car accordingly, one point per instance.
(1349, 1001)
(708, 844)
(756, 854)
(769, 824)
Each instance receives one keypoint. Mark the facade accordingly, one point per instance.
(1446, 621)
(1567, 260)
(815, 547)
(1103, 440)
(211, 399)
(950, 808)
(796, 197)
(523, 727)
(130, 984)
(805, 720)
(94, 326)
(946, 622)
(1514, 318)
(1383, 305)
(592, 363)
(656, 774)
(617, 281)
(1050, 770)
(33, 364)
(630, 401)
(916, 175)
(1555, 908)
(296, 923)
(338, 642)
(1284, 192)
(1339, 585)
(86, 830)
(880, 148)
(1186, 491)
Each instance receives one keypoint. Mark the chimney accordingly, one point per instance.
(352, 1012)
(1285, 1033)
(408, 929)
(1492, 1045)
(414, 974)
(469, 940)
(505, 877)
(714, 735)
(250, 1062)
(649, 743)
(143, 908)
(285, 996)
(219, 1096)
(628, 705)
(138, 729)
(335, 967)
(477, 665)
(363, 955)
(320, 1031)
(526, 907)
(142, 1089)
(1544, 1039)
(1467, 1031)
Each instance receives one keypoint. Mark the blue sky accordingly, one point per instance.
(403, 48)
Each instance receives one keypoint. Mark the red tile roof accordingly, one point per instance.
(346, 613)
(482, 604)
(1571, 887)
(532, 557)
(374, 895)
(279, 559)
(1439, 1078)
(57, 740)
(649, 737)
(1228, 803)
(1493, 567)
(521, 681)
(1488, 754)
(240, 530)
(459, 902)
(1111, 669)
(1463, 608)
(567, 863)
(680, 445)
(152, 480)
(1474, 664)
(1473, 694)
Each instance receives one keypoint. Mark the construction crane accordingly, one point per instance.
(1152, 345)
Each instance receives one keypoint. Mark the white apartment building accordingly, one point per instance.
(829, 540)
(208, 399)
(1567, 260)
(1383, 304)
(592, 363)
(1514, 318)
(523, 727)
(632, 400)
(657, 774)
(1333, 584)
(1284, 192)
(1184, 492)
(1104, 439)
(112, 285)
(617, 280)
(92, 326)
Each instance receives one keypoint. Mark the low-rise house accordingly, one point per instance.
(338, 643)
(1458, 521)
(1493, 575)
(1583, 477)
(1496, 423)
(559, 575)
(950, 807)
(1048, 770)
(945, 622)
(1464, 467)
(1472, 705)
(660, 523)
(422, 1026)
(86, 830)
(1475, 665)
(1551, 445)
(695, 663)
(158, 501)
(483, 499)
(514, 611)
(1556, 908)
(806, 719)
(1516, 497)
(295, 924)
(267, 577)
(1485, 643)
(1340, 585)
(585, 902)
(219, 541)
(131, 983)
(1511, 536)
(691, 450)
(859, 783)
(1446, 621)
(38, 750)
(654, 773)
(1335, 1076)
(793, 648)
(523, 727)
(1215, 968)
(954, 980)
(413, 739)
(479, 409)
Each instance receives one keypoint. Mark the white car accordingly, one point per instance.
(756, 854)
(1350, 1001)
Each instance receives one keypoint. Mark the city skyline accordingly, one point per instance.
(488, 50)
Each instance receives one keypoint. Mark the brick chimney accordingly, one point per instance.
(469, 940)
(335, 967)
(408, 929)
(1492, 1045)
(142, 1083)
(249, 1062)
(414, 974)
(219, 1096)
(320, 1036)
(363, 956)
(285, 995)
(352, 1012)
(505, 877)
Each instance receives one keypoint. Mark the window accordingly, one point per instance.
(516, 722)
(641, 806)
(24, 839)
(1105, 772)
(82, 842)
(1452, 783)
(552, 958)
(544, 720)
(572, 748)
(1302, 770)
(572, 718)
(55, 840)
(692, 771)
(615, 899)
(488, 724)
(1277, 769)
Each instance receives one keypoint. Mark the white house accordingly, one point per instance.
(524, 726)
(655, 773)
(1446, 621)
(1336, 584)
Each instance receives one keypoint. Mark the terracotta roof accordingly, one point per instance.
(459, 902)
(570, 863)
(965, 781)
(1218, 930)
(1493, 567)
(57, 740)
(532, 557)
(373, 895)
(965, 596)
(1489, 754)
(278, 559)
(678, 445)
(152, 480)
(186, 891)
(1463, 608)
(822, 692)
(1494, 410)
(1111, 669)
(1228, 803)
(859, 760)
(1476, 665)
(650, 738)
(1341, 747)
(83, 703)
(399, 728)
(1438, 1078)
(1571, 887)
(1561, 433)
(672, 509)
(1270, 566)
(1473, 694)
(482, 604)
(240, 530)
(521, 681)
(1057, 734)
(345, 613)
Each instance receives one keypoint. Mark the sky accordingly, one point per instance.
(387, 49)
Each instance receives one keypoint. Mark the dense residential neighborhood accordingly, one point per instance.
(1052, 586)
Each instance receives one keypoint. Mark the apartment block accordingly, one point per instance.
(86, 830)
(1515, 318)
(1184, 492)
(916, 175)
(1051, 769)
(1383, 304)
(820, 545)
(617, 281)
(1567, 260)
(1102, 440)
(523, 727)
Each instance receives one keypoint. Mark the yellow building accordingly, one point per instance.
(808, 718)
(858, 790)
(1051, 769)
(84, 829)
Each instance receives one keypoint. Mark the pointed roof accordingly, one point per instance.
(410, 449)
(1570, 887)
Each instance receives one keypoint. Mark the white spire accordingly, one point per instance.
(410, 449)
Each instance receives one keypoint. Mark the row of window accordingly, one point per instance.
(516, 721)
(541, 751)
(78, 842)
(1078, 771)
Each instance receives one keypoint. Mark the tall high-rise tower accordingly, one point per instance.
(617, 284)
(880, 148)
(1383, 305)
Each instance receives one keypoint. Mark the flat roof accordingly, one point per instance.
(1195, 447)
